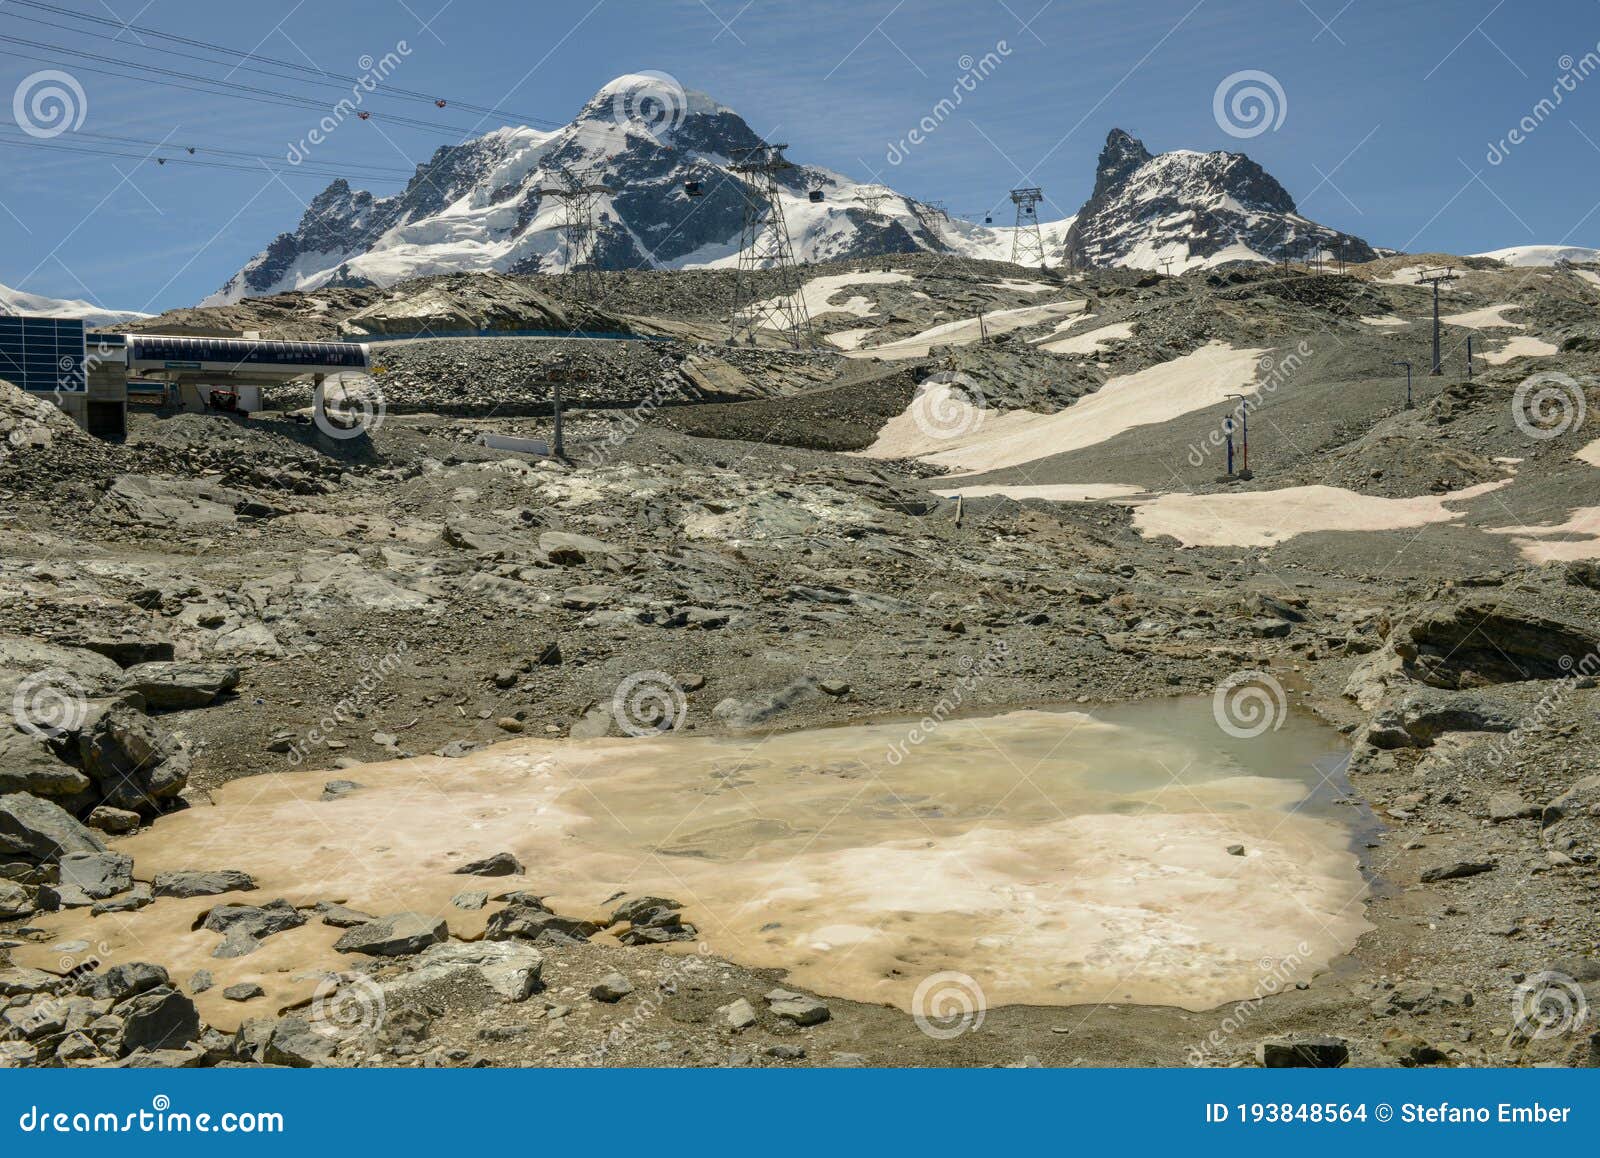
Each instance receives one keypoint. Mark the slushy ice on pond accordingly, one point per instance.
(1055, 857)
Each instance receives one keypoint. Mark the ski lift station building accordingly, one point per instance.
(88, 375)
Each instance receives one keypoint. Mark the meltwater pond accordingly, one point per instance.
(1054, 857)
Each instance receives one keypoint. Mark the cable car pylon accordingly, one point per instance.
(765, 247)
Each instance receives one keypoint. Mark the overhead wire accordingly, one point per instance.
(311, 70)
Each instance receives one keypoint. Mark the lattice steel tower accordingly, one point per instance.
(758, 303)
(1027, 242)
(579, 196)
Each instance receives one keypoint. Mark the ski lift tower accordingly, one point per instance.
(873, 197)
(578, 196)
(1436, 278)
(1027, 242)
(764, 245)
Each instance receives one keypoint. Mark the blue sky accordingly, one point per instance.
(1388, 109)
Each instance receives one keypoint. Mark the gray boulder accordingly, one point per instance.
(161, 1018)
(611, 988)
(1422, 717)
(737, 1014)
(501, 864)
(508, 968)
(201, 882)
(1322, 1053)
(40, 830)
(1582, 797)
(396, 935)
(28, 765)
(244, 927)
(180, 685)
(1456, 870)
(135, 765)
(16, 900)
(340, 916)
(535, 923)
(293, 1041)
(131, 901)
(87, 877)
(798, 1008)
(121, 982)
(117, 821)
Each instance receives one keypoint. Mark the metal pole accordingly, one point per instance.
(1436, 328)
(1469, 355)
(1407, 365)
(1436, 278)
(558, 447)
(1244, 430)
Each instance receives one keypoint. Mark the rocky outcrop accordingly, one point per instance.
(1196, 209)
(1489, 639)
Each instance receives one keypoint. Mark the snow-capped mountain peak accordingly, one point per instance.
(666, 153)
(16, 302)
(1184, 209)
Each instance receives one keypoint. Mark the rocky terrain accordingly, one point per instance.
(219, 599)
